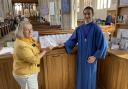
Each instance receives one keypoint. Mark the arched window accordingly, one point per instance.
(26, 9)
(103, 4)
(88, 2)
(18, 8)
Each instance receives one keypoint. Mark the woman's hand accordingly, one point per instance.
(60, 45)
(45, 50)
(48, 48)
(91, 59)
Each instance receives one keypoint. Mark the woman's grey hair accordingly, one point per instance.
(20, 28)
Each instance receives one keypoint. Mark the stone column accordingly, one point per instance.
(1, 9)
(81, 7)
(43, 9)
(53, 18)
(69, 18)
(74, 8)
(5, 7)
(10, 5)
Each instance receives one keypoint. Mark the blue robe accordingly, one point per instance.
(91, 42)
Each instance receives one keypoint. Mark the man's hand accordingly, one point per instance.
(91, 59)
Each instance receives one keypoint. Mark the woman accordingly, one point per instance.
(91, 47)
(27, 57)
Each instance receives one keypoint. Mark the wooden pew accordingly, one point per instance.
(5, 28)
(3, 33)
(54, 31)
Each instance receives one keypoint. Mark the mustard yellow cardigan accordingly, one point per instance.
(26, 57)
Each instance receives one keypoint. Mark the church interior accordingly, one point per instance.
(53, 23)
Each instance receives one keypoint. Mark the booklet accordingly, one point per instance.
(53, 40)
(6, 50)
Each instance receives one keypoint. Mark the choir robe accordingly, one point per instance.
(91, 42)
